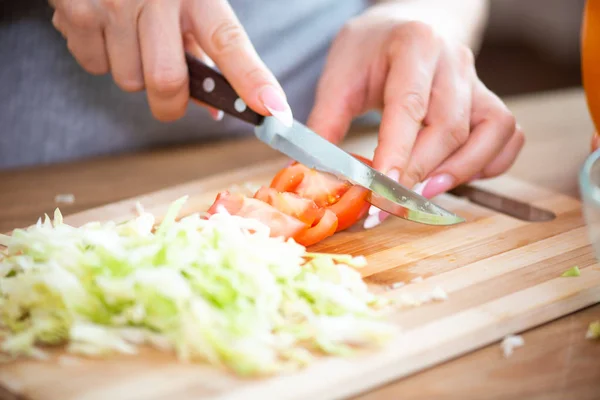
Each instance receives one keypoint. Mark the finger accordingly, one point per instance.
(222, 37)
(493, 126)
(507, 156)
(406, 98)
(123, 47)
(163, 60)
(192, 47)
(88, 48)
(341, 94)
(58, 23)
(85, 38)
(448, 118)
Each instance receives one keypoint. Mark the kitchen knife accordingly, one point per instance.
(514, 208)
(310, 149)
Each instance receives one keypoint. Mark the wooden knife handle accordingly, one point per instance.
(210, 87)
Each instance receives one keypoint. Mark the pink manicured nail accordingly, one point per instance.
(277, 105)
(394, 174)
(437, 185)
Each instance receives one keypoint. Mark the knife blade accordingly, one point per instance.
(312, 150)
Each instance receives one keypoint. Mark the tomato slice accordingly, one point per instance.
(232, 203)
(288, 179)
(290, 203)
(323, 189)
(324, 228)
(280, 223)
(351, 207)
(347, 201)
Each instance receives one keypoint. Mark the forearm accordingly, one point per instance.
(462, 20)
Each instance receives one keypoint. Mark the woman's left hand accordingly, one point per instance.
(439, 121)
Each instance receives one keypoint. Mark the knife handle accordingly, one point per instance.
(210, 87)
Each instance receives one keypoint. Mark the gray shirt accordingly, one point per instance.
(53, 111)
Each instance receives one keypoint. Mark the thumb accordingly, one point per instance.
(221, 35)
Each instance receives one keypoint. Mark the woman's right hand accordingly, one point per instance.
(141, 43)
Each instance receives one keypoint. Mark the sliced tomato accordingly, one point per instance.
(348, 202)
(290, 203)
(324, 228)
(351, 207)
(288, 179)
(323, 189)
(232, 203)
(280, 223)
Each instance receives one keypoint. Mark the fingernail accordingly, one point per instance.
(371, 222)
(277, 105)
(394, 174)
(217, 115)
(437, 185)
(418, 188)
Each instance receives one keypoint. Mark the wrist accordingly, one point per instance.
(459, 21)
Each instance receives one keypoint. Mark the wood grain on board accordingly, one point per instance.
(502, 276)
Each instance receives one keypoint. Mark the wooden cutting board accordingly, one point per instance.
(502, 276)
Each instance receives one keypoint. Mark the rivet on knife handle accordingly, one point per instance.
(210, 87)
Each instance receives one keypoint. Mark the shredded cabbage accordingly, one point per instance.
(593, 331)
(571, 272)
(215, 289)
(510, 342)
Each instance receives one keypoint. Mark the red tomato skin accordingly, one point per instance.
(323, 229)
(288, 179)
(351, 207)
(347, 201)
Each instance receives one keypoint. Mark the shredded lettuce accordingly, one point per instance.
(572, 272)
(216, 289)
(593, 331)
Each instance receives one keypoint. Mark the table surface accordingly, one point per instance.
(557, 362)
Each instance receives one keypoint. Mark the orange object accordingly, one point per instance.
(348, 202)
(326, 227)
(590, 64)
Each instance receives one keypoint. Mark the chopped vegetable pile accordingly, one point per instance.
(219, 289)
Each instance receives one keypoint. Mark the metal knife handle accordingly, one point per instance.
(210, 87)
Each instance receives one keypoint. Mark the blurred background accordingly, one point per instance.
(531, 45)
